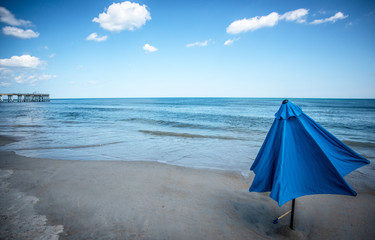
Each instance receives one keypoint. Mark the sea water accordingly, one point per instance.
(217, 133)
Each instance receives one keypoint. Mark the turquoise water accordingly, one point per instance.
(218, 133)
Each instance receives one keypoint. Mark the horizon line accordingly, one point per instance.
(342, 98)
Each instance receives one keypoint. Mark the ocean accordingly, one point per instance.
(215, 133)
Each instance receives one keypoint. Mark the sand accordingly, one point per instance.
(60, 199)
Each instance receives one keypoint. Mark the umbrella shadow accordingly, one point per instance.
(258, 214)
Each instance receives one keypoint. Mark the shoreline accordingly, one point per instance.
(67, 199)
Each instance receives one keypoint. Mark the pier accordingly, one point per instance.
(25, 97)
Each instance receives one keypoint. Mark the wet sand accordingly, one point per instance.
(60, 199)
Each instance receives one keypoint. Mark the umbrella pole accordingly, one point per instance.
(292, 215)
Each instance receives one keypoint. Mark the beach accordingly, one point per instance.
(65, 199)
(187, 120)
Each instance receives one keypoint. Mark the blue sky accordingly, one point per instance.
(177, 48)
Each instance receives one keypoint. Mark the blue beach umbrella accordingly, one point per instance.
(299, 157)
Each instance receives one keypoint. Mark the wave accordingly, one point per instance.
(170, 123)
(359, 144)
(70, 147)
(22, 126)
(187, 135)
(232, 127)
(99, 109)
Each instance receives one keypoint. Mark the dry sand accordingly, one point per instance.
(52, 199)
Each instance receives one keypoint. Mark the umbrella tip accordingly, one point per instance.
(285, 101)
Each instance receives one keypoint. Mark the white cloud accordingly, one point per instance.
(270, 20)
(230, 41)
(147, 47)
(93, 82)
(8, 17)
(201, 44)
(22, 78)
(32, 78)
(5, 71)
(296, 15)
(94, 37)
(4, 84)
(22, 69)
(45, 77)
(123, 16)
(25, 61)
(321, 11)
(20, 33)
(334, 18)
(52, 55)
(6, 75)
(254, 23)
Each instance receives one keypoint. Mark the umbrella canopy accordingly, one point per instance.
(299, 157)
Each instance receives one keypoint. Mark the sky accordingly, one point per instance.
(253, 48)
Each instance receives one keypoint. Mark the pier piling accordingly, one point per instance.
(25, 97)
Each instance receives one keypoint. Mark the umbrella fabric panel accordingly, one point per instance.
(342, 157)
(266, 160)
(303, 168)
